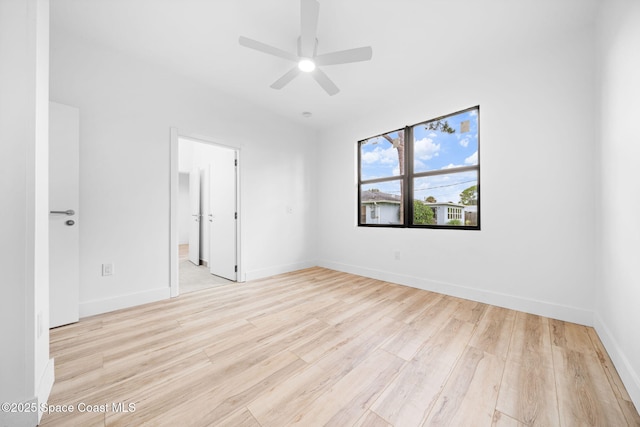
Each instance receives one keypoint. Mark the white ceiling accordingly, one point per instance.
(413, 41)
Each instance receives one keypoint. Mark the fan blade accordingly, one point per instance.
(309, 10)
(324, 81)
(344, 56)
(282, 81)
(265, 48)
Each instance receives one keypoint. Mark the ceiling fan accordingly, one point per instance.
(307, 59)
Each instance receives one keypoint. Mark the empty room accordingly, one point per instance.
(319, 212)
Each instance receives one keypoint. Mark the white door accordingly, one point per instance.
(64, 236)
(223, 214)
(194, 207)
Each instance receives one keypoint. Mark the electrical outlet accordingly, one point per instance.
(396, 255)
(107, 269)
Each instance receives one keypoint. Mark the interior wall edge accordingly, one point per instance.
(101, 306)
(531, 306)
(630, 378)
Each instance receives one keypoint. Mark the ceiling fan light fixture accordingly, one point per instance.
(307, 65)
(306, 59)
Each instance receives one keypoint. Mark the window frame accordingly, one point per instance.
(407, 179)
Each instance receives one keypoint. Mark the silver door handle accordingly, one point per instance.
(67, 212)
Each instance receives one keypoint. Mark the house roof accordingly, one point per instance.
(458, 205)
(371, 196)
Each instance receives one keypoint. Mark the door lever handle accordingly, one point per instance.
(67, 212)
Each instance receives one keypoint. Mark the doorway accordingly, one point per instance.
(205, 214)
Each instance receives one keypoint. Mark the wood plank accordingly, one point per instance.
(630, 413)
(503, 420)
(494, 331)
(347, 356)
(571, 336)
(469, 397)
(470, 311)
(612, 374)
(346, 401)
(242, 418)
(528, 391)
(317, 346)
(584, 394)
(410, 397)
(415, 335)
(225, 399)
(415, 306)
(274, 407)
(371, 419)
(77, 419)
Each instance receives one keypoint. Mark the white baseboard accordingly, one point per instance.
(46, 384)
(630, 378)
(280, 269)
(90, 308)
(541, 308)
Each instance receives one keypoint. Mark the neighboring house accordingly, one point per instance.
(377, 207)
(446, 212)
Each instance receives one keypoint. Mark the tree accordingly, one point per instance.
(430, 199)
(422, 214)
(398, 144)
(469, 196)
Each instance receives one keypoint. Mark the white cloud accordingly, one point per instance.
(426, 149)
(464, 142)
(451, 165)
(381, 155)
(433, 135)
(473, 112)
(472, 159)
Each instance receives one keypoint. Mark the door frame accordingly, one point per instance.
(176, 134)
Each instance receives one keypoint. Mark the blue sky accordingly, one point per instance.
(433, 150)
(440, 150)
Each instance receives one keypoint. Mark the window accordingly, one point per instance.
(382, 178)
(454, 213)
(425, 175)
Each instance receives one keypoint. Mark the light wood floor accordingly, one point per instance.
(319, 347)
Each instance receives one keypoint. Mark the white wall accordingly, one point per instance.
(537, 149)
(127, 108)
(26, 372)
(618, 292)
